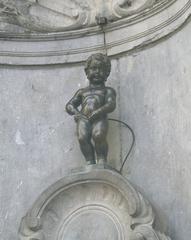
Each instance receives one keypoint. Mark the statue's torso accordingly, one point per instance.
(92, 99)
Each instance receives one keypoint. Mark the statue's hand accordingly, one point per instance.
(79, 116)
(95, 115)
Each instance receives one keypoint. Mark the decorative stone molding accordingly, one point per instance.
(125, 8)
(131, 25)
(93, 204)
(43, 16)
(58, 16)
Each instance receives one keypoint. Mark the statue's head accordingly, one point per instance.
(98, 68)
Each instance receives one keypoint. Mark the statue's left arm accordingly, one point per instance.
(110, 101)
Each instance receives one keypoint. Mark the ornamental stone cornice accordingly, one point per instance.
(131, 25)
(58, 16)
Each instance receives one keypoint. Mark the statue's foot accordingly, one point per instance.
(90, 162)
(101, 161)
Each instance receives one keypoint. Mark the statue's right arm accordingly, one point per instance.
(74, 103)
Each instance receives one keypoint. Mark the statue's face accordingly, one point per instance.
(96, 72)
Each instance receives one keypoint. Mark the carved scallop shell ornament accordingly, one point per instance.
(93, 204)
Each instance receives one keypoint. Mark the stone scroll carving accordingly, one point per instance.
(44, 16)
(57, 16)
(124, 8)
(93, 204)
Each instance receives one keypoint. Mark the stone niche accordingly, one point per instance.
(43, 46)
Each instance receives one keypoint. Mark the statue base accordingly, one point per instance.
(91, 203)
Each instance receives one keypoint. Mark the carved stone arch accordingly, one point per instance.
(132, 25)
(97, 203)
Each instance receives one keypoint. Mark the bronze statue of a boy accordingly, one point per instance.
(95, 102)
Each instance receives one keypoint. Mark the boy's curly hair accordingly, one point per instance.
(102, 58)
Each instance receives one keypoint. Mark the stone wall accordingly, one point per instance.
(38, 142)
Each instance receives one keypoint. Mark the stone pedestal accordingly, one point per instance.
(95, 203)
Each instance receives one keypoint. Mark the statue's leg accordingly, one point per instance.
(84, 130)
(99, 134)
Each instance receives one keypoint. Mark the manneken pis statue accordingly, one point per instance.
(90, 107)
